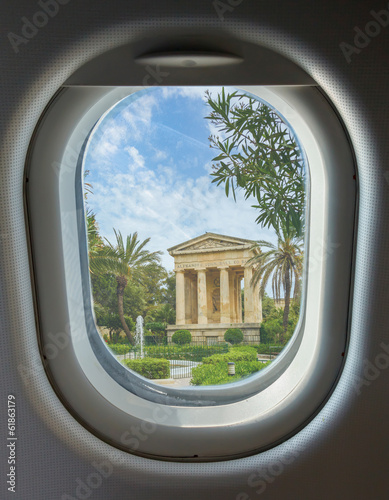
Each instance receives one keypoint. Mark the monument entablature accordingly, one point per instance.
(209, 271)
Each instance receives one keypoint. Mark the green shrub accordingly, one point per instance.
(155, 327)
(216, 374)
(99, 314)
(238, 348)
(271, 330)
(234, 355)
(253, 346)
(112, 322)
(269, 348)
(150, 367)
(233, 336)
(268, 307)
(272, 327)
(120, 348)
(261, 348)
(152, 340)
(185, 352)
(118, 338)
(181, 337)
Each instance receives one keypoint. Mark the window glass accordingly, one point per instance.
(195, 213)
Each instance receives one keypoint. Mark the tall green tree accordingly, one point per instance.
(169, 291)
(258, 154)
(283, 263)
(153, 283)
(272, 325)
(104, 296)
(95, 242)
(268, 306)
(127, 261)
(163, 313)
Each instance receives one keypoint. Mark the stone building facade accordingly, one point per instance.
(209, 272)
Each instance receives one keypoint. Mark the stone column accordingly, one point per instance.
(194, 299)
(259, 308)
(225, 315)
(180, 297)
(257, 305)
(236, 299)
(188, 300)
(232, 297)
(239, 290)
(202, 316)
(248, 296)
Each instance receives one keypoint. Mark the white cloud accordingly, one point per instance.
(137, 160)
(208, 167)
(160, 155)
(191, 92)
(108, 140)
(167, 208)
(114, 133)
(138, 116)
(140, 111)
(214, 130)
(152, 191)
(135, 123)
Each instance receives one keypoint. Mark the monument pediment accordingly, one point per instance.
(210, 242)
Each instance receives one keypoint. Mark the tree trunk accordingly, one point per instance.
(287, 302)
(122, 283)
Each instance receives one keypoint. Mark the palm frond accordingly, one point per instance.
(282, 262)
(124, 260)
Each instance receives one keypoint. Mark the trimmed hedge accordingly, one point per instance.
(216, 374)
(150, 367)
(234, 355)
(186, 352)
(120, 348)
(240, 348)
(233, 335)
(181, 337)
(266, 349)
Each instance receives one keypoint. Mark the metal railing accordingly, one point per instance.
(182, 358)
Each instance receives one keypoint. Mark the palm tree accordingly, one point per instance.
(127, 262)
(284, 263)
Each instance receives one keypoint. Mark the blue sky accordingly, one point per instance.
(150, 162)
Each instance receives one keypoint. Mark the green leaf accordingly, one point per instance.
(227, 186)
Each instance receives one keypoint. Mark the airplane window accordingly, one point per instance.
(196, 295)
(195, 211)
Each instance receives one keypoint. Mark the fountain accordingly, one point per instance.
(139, 334)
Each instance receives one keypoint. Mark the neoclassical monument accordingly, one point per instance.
(209, 271)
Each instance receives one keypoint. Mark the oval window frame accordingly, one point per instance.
(162, 428)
